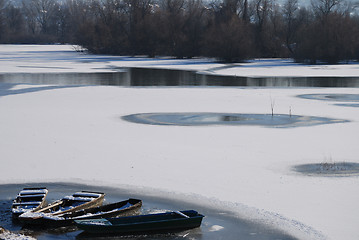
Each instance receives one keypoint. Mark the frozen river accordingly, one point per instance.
(158, 137)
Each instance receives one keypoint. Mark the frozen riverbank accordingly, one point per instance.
(64, 59)
(76, 134)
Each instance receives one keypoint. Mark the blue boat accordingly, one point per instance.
(160, 222)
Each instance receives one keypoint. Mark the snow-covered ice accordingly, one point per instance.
(77, 134)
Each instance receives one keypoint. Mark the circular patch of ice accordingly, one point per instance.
(348, 105)
(198, 119)
(332, 97)
(329, 169)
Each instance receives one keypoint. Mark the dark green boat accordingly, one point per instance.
(169, 221)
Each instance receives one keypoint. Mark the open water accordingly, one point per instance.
(217, 224)
(161, 77)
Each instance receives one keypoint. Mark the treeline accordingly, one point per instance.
(230, 30)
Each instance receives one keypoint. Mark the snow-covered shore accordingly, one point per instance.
(52, 133)
(64, 58)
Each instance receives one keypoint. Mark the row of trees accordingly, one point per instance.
(230, 30)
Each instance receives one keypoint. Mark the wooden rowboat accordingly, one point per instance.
(122, 208)
(78, 201)
(29, 199)
(169, 221)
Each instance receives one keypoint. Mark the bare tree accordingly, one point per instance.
(2, 25)
(137, 13)
(289, 10)
(324, 7)
(261, 13)
(173, 21)
(226, 9)
(40, 14)
(192, 29)
(262, 9)
(229, 41)
(14, 22)
(328, 38)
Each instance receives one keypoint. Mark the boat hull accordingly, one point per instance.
(164, 222)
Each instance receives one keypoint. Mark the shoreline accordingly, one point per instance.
(55, 56)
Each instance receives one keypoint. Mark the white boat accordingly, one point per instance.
(29, 199)
(68, 204)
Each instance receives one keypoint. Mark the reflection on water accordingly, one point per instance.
(217, 224)
(161, 77)
(116, 78)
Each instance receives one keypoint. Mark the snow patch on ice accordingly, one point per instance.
(215, 228)
(7, 235)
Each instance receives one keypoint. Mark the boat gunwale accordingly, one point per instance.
(94, 201)
(137, 204)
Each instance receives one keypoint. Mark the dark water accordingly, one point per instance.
(160, 77)
(217, 224)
